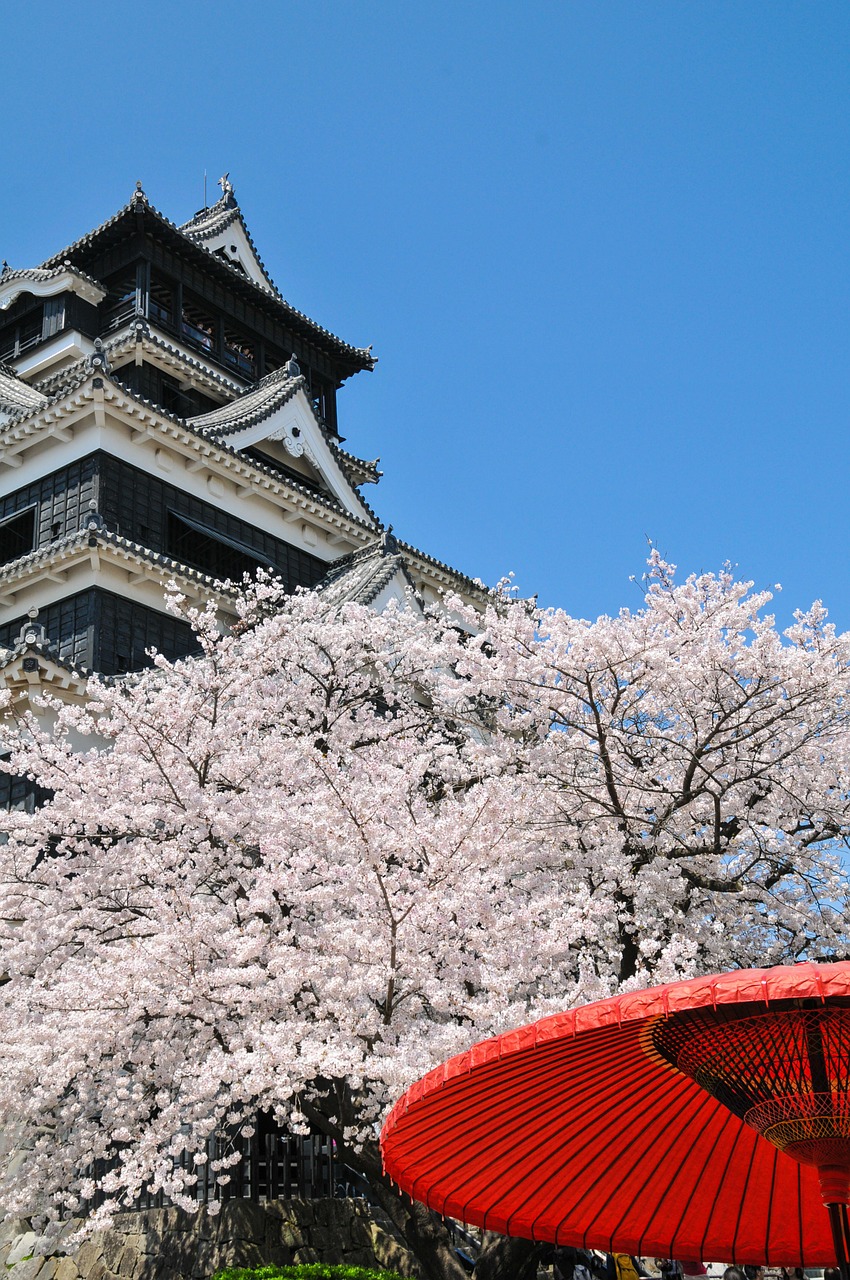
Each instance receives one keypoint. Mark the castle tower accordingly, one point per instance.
(165, 415)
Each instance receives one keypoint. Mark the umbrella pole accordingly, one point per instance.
(838, 1223)
(846, 1231)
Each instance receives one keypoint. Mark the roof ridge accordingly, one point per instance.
(312, 495)
(46, 273)
(140, 201)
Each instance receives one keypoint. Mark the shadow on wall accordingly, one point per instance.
(170, 1244)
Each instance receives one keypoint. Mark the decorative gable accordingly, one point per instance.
(221, 230)
(276, 419)
(376, 575)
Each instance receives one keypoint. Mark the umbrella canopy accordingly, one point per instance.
(618, 1125)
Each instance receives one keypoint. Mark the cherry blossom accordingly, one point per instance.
(295, 872)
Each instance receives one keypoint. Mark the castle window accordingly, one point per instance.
(198, 325)
(161, 301)
(212, 553)
(17, 535)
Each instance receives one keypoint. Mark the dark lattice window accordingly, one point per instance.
(126, 630)
(221, 558)
(21, 793)
(54, 317)
(17, 535)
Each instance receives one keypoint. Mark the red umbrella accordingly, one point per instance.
(704, 1119)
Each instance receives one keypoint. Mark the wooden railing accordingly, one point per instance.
(274, 1166)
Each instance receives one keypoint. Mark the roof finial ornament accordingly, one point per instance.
(389, 546)
(4, 268)
(94, 521)
(226, 189)
(139, 194)
(99, 360)
(292, 367)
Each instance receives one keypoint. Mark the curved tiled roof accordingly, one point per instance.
(48, 273)
(10, 277)
(15, 394)
(360, 356)
(211, 222)
(98, 536)
(259, 403)
(139, 330)
(253, 406)
(361, 576)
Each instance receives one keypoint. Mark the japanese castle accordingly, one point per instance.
(165, 415)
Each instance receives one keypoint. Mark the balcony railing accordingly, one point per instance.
(122, 313)
(13, 350)
(193, 334)
(238, 360)
(197, 336)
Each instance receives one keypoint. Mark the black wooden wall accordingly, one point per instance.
(106, 633)
(138, 506)
(61, 500)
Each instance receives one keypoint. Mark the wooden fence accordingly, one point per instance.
(270, 1166)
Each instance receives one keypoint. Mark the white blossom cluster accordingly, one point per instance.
(294, 873)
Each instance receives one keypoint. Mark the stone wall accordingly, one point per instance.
(168, 1244)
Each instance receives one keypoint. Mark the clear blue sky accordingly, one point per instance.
(601, 250)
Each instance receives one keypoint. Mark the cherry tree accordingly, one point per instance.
(294, 873)
(696, 761)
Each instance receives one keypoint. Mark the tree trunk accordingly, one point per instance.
(506, 1258)
(423, 1231)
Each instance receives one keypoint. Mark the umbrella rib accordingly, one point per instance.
(741, 1204)
(770, 1207)
(737, 1134)
(628, 1099)
(800, 1207)
(711, 1115)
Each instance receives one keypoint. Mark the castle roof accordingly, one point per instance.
(361, 576)
(192, 241)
